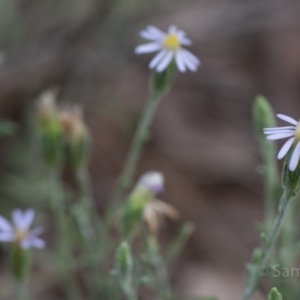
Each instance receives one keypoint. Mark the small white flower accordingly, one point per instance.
(169, 47)
(152, 181)
(291, 132)
(19, 231)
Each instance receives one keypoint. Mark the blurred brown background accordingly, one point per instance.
(202, 136)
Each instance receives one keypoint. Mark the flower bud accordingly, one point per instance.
(148, 186)
(49, 129)
(161, 82)
(76, 136)
(274, 295)
(256, 255)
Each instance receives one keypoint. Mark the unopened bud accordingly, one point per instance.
(49, 129)
(274, 295)
(76, 135)
(256, 255)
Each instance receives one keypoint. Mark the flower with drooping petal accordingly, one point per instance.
(19, 231)
(291, 132)
(155, 210)
(169, 47)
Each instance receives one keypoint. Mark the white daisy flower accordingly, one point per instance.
(169, 47)
(291, 132)
(152, 181)
(19, 231)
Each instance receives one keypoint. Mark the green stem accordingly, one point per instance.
(270, 182)
(86, 215)
(254, 279)
(129, 292)
(22, 292)
(163, 278)
(66, 262)
(136, 148)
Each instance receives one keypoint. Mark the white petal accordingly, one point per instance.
(181, 34)
(280, 128)
(165, 62)
(154, 30)
(26, 243)
(287, 119)
(27, 220)
(7, 236)
(190, 64)
(152, 36)
(37, 231)
(180, 62)
(295, 158)
(5, 225)
(17, 217)
(185, 42)
(285, 148)
(147, 48)
(278, 136)
(38, 243)
(191, 57)
(157, 58)
(279, 131)
(183, 39)
(172, 29)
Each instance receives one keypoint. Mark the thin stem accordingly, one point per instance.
(270, 182)
(129, 292)
(64, 248)
(254, 278)
(88, 214)
(163, 278)
(22, 291)
(136, 148)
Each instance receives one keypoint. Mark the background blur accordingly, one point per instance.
(202, 136)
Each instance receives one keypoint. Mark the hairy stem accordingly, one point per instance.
(254, 278)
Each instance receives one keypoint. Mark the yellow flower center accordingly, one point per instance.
(297, 132)
(171, 42)
(20, 235)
